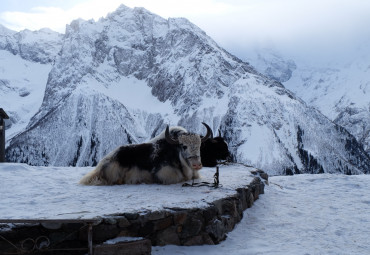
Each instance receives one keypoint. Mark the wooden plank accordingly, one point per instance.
(33, 221)
(139, 247)
(3, 114)
(89, 239)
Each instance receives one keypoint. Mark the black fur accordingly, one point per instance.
(162, 160)
(149, 156)
(212, 150)
(166, 154)
(135, 155)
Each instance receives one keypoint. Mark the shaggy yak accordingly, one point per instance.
(211, 151)
(166, 160)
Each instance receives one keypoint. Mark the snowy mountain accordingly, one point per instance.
(40, 46)
(340, 89)
(341, 92)
(26, 59)
(270, 62)
(121, 79)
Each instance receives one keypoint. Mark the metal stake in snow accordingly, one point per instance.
(3, 116)
(216, 178)
(215, 184)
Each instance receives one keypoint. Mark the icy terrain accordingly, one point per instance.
(301, 214)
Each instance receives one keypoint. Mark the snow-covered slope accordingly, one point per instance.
(22, 85)
(340, 89)
(41, 46)
(269, 62)
(25, 61)
(89, 106)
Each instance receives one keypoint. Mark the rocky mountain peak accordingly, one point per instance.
(89, 106)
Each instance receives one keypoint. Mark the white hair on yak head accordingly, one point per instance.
(189, 144)
(171, 140)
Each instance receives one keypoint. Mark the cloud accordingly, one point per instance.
(306, 27)
(56, 18)
(38, 18)
(311, 28)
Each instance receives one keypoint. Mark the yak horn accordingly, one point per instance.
(209, 132)
(169, 139)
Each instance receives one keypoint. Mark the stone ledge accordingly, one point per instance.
(178, 226)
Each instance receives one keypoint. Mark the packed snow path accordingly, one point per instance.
(301, 214)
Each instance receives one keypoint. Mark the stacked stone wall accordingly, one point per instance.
(177, 226)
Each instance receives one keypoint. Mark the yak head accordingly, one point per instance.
(213, 150)
(189, 145)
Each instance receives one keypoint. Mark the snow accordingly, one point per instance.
(123, 239)
(22, 97)
(29, 192)
(132, 93)
(300, 214)
(335, 86)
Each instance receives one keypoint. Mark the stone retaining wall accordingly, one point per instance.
(171, 226)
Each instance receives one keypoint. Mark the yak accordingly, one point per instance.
(211, 151)
(166, 160)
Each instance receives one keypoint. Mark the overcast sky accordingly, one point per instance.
(295, 27)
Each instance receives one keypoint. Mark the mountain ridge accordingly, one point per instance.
(265, 124)
(339, 89)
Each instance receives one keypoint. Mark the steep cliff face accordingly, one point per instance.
(80, 131)
(357, 121)
(122, 79)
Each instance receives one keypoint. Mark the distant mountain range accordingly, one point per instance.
(340, 90)
(74, 97)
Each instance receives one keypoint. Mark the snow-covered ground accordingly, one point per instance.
(301, 214)
(29, 192)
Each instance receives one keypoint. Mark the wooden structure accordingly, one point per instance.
(51, 240)
(3, 116)
(32, 245)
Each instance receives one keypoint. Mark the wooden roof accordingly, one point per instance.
(3, 114)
